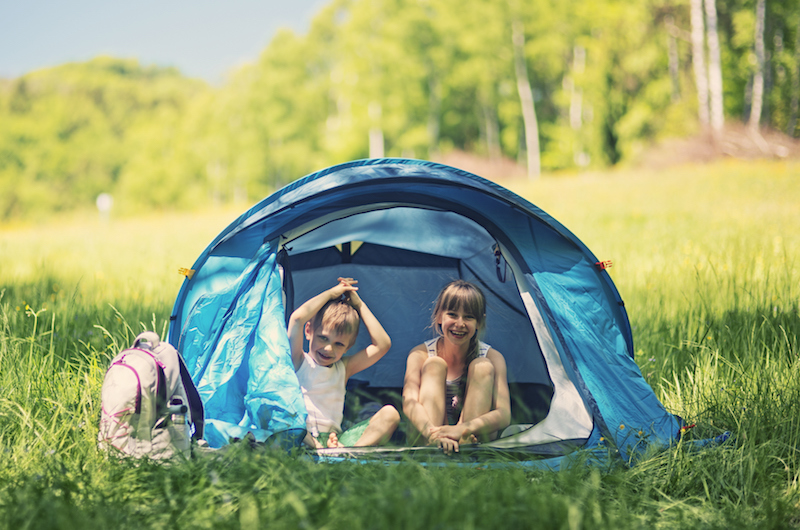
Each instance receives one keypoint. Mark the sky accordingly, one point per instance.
(202, 38)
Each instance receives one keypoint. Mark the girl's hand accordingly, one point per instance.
(448, 445)
(458, 433)
(433, 436)
(448, 437)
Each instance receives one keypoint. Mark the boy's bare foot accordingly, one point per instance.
(333, 440)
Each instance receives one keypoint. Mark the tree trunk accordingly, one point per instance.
(795, 100)
(714, 69)
(758, 75)
(526, 101)
(576, 94)
(434, 109)
(699, 61)
(375, 131)
(217, 172)
(491, 131)
(672, 54)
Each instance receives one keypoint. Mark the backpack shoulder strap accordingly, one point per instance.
(195, 403)
(137, 406)
(161, 385)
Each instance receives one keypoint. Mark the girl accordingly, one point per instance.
(455, 388)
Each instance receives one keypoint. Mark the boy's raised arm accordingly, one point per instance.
(380, 339)
(306, 312)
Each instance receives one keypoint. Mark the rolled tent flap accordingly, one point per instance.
(236, 349)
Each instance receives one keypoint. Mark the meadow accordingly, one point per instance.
(705, 257)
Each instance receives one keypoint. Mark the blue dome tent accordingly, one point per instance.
(404, 228)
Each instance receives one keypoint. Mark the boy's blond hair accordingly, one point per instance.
(340, 316)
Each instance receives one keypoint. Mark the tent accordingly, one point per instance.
(403, 228)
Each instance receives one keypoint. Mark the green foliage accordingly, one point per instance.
(69, 133)
(398, 77)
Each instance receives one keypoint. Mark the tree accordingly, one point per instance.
(794, 69)
(758, 75)
(526, 101)
(714, 69)
(699, 62)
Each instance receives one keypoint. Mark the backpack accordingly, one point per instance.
(149, 404)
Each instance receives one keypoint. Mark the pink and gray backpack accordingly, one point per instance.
(150, 406)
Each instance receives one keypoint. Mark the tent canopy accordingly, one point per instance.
(403, 229)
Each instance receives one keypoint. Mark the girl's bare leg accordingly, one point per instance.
(432, 389)
(381, 426)
(479, 394)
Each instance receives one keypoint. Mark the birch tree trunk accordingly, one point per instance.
(714, 69)
(434, 109)
(795, 99)
(699, 61)
(526, 101)
(758, 75)
(376, 142)
(576, 94)
(491, 130)
(672, 49)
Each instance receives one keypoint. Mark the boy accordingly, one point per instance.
(329, 322)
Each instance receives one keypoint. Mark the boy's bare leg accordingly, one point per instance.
(312, 442)
(479, 394)
(381, 427)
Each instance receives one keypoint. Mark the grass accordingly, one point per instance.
(706, 258)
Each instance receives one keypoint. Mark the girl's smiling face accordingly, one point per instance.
(459, 312)
(458, 325)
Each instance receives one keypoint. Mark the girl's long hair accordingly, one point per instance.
(460, 294)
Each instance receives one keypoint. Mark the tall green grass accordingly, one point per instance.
(705, 257)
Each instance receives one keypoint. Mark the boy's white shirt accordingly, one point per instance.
(323, 392)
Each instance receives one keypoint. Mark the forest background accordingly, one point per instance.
(530, 86)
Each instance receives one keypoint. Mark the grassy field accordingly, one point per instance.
(705, 257)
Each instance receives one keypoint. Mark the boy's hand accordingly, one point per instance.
(345, 286)
(349, 292)
(354, 300)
